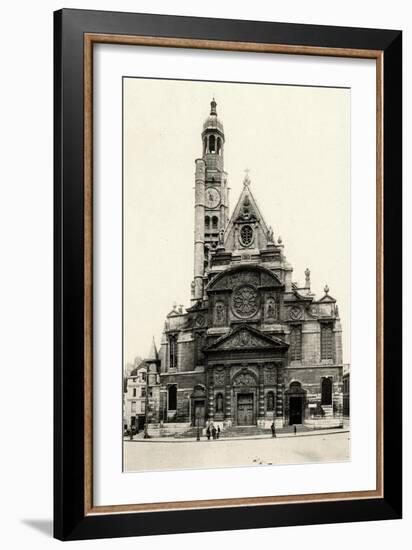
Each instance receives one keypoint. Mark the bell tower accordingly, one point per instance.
(216, 190)
(211, 196)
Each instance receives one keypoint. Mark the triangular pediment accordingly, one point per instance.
(326, 299)
(246, 338)
(246, 212)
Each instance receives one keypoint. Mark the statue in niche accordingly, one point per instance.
(219, 312)
(272, 309)
(221, 237)
(270, 401)
(270, 236)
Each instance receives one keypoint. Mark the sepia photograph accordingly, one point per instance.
(236, 274)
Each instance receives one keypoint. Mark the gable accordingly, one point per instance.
(246, 338)
(327, 299)
(247, 213)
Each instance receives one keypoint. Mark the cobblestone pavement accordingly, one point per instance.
(171, 455)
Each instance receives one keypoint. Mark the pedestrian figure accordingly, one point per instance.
(294, 428)
(208, 433)
(131, 434)
(213, 432)
(272, 427)
(218, 432)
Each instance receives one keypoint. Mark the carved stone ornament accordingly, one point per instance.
(200, 320)
(295, 313)
(270, 376)
(244, 379)
(244, 277)
(219, 377)
(245, 301)
(244, 339)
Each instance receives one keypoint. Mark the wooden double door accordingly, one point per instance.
(245, 409)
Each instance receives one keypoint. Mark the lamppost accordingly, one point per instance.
(198, 425)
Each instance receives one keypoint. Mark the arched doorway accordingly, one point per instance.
(198, 399)
(244, 385)
(296, 402)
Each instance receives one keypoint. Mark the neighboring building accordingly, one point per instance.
(346, 391)
(253, 347)
(141, 391)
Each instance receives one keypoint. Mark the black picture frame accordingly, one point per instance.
(71, 522)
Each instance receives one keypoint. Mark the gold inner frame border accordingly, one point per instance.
(93, 38)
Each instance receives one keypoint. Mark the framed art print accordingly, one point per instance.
(227, 274)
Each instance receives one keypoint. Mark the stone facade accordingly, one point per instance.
(142, 389)
(253, 348)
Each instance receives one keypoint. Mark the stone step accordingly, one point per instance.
(239, 431)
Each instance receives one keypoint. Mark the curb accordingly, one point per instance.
(250, 438)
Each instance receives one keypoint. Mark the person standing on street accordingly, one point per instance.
(272, 427)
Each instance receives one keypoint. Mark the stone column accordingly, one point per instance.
(210, 392)
(228, 398)
(199, 228)
(279, 396)
(261, 410)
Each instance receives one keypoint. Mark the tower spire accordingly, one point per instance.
(153, 355)
(213, 105)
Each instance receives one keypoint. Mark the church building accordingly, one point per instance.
(253, 347)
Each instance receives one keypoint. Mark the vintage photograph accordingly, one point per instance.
(236, 274)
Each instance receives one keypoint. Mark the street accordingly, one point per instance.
(145, 455)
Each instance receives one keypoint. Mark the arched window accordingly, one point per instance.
(204, 145)
(219, 146)
(172, 398)
(246, 235)
(326, 391)
(134, 392)
(173, 351)
(199, 343)
(214, 222)
(212, 144)
(270, 401)
(295, 340)
(219, 403)
(326, 341)
(207, 222)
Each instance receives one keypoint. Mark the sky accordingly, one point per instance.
(295, 140)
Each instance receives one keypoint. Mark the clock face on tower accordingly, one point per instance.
(212, 197)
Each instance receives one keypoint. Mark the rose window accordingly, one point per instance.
(246, 235)
(245, 301)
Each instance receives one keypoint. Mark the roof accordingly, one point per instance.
(153, 355)
(212, 122)
(140, 366)
(246, 198)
